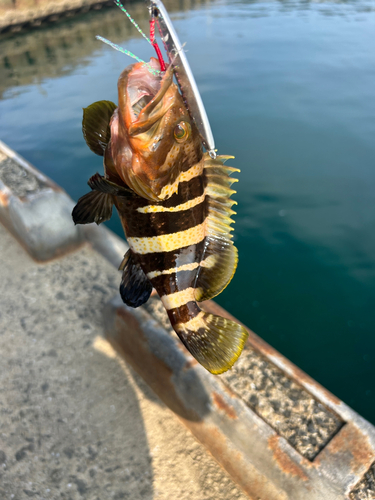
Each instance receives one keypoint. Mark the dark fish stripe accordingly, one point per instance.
(191, 159)
(157, 223)
(187, 191)
(168, 260)
(184, 313)
(175, 282)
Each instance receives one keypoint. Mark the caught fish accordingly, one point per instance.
(174, 202)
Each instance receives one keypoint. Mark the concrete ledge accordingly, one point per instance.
(308, 447)
(17, 15)
(16, 19)
(35, 209)
(76, 422)
(38, 213)
(278, 433)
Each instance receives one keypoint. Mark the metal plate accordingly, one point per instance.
(184, 75)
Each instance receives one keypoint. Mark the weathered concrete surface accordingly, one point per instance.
(326, 458)
(76, 422)
(365, 490)
(35, 209)
(283, 403)
(279, 400)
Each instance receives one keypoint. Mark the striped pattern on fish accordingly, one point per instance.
(184, 247)
(174, 202)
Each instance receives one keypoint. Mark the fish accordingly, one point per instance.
(174, 202)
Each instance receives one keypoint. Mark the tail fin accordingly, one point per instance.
(214, 341)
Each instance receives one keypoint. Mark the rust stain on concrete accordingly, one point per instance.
(222, 405)
(350, 439)
(190, 364)
(286, 464)
(4, 199)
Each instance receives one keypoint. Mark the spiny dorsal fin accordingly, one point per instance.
(135, 288)
(93, 207)
(220, 257)
(95, 125)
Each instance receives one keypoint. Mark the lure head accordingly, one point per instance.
(153, 138)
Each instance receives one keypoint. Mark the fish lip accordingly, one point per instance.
(142, 83)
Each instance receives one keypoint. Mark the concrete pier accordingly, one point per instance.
(93, 392)
(76, 421)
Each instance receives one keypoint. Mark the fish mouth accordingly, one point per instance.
(143, 85)
(150, 107)
(147, 96)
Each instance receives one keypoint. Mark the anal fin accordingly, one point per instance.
(135, 288)
(93, 207)
(221, 257)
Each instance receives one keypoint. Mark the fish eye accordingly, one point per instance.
(182, 131)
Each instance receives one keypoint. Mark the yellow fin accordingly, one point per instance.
(214, 341)
(212, 280)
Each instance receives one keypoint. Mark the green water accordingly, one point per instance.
(289, 87)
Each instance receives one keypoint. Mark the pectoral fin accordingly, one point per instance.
(99, 183)
(93, 207)
(135, 288)
(95, 125)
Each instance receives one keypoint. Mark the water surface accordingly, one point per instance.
(289, 87)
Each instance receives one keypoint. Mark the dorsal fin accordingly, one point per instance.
(219, 260)
(95, 125)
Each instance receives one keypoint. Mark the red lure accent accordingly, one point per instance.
(154, 43)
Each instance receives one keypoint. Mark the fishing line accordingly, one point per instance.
(128, 53)
(119, 4)
(152, 42)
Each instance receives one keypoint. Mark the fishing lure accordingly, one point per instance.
(174, 200)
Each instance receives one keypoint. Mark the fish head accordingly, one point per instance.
(153, 138)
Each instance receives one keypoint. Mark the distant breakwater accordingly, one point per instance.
(18, 15)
